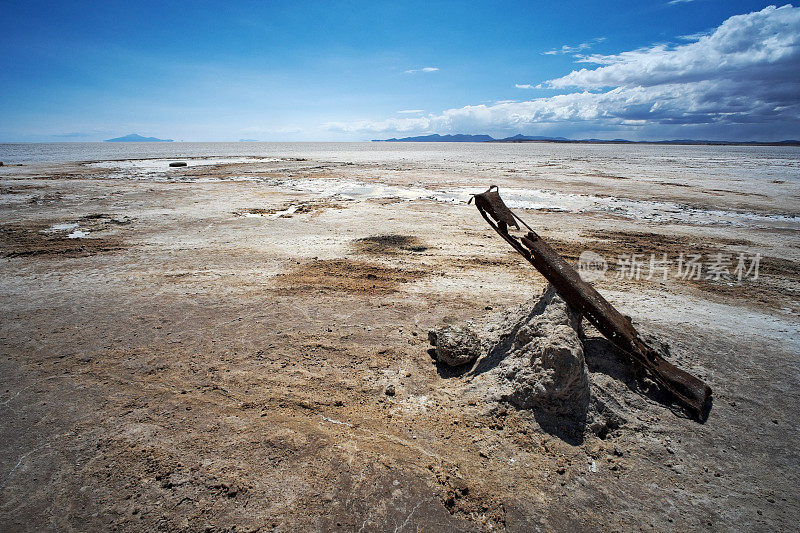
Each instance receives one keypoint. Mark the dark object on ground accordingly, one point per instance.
(691, 392)
(178, 164)
(455, 345)
(389, 244)
(1, 163)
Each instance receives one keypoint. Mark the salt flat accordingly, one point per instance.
(214, 348)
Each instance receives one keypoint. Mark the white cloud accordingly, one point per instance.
(411, 111)
(740, 77)
(766, 42)
(567, 49)
(423, 69)
(693, 36)
(673, 2)
(524, 86)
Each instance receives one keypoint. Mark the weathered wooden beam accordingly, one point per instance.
(688, 390)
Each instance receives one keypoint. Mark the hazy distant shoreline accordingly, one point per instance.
(414, 140)
(483, 138)
(667, 143)
(16, 153)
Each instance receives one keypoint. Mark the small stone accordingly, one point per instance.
(178, 164)
(390, 390)
(455, 345)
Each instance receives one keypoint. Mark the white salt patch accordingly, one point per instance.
(334, 421)
(676, 309)
(64, 226)
(151, 166)
(661, 212)
(285, 212)
(415, 404)
(72, 227)
(213, 179)
(78, 234)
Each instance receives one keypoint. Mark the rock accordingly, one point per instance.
(532, 356)
(455, 344)
(178, 164)
(1, 163)
(543, 367)
(390, 390)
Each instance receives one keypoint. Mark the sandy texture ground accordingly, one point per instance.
(214, 354)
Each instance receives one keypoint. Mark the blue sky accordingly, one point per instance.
(342, 71)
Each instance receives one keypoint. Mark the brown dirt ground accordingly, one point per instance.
(193, 370)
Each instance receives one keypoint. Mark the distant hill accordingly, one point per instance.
(528, 138)
(519, 138)
(788, 142)
(523, 138)
(435, 138)
(136, 138)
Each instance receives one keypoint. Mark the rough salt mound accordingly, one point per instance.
(532, 357)
(542, 365)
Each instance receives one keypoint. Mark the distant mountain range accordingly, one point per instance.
(534, 138)
(136, 138)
